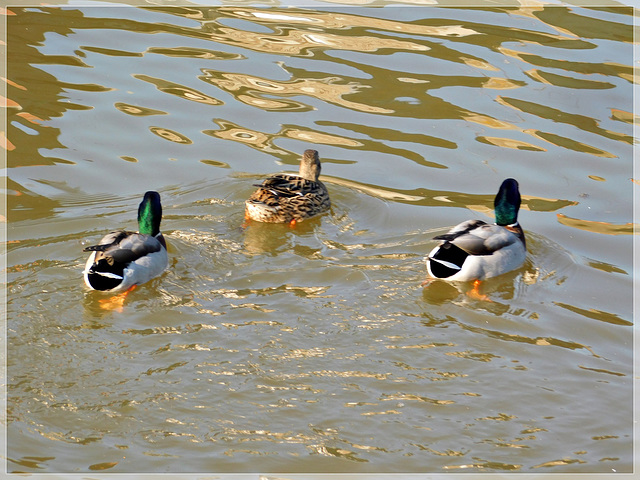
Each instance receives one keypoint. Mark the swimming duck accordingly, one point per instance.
(283, 198)
(475, 250)
(124, 259)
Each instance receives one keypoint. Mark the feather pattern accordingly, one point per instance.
(282, 198)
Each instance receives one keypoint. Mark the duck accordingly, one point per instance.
(475, 250)
(122, 260)
(288, 198)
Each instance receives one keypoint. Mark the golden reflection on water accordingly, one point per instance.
(605, 228)
(171, 135)
(320, 138)
(255, 91)
(137, 110)
(623, 116)
(345, 21)
(257, 140)
(248, 88)
(580, 121)
(111, 52)
(510, 143)
(102, 466)
(297, 42)
(423, 196)
(605, 68)
(405, 397)
(195, 53)
(265, 142)
(179, 90)
(564, 81)
(568, 143)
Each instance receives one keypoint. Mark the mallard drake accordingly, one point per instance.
(124, 259)
(476, 250)
(285, 198)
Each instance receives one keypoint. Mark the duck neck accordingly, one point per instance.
(506, 205)
(149, 216)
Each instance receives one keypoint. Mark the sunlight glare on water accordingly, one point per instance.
(314, 349)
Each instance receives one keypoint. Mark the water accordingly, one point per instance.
(315, 349)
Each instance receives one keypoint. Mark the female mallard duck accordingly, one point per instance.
(475, 250)
(123, 259)
(285, 198)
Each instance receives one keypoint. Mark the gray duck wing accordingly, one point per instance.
(125, 247)
(484, 239)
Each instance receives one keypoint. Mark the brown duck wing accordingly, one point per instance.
(289, 185)
(282, 198)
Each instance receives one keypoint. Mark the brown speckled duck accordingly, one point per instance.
(283, 198)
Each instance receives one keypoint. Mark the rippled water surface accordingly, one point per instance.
(266, 348)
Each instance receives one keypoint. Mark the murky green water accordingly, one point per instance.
(315, 349)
